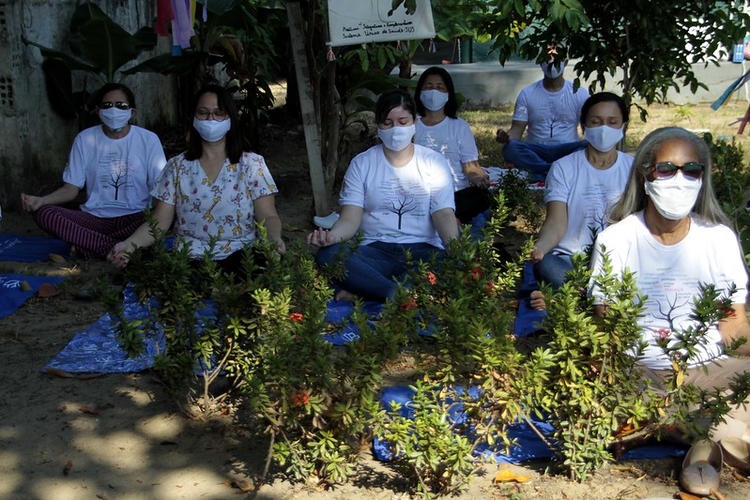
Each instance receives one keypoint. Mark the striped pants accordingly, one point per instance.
(91, 236)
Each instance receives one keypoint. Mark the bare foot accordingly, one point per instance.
(537, 300)
(345, 296)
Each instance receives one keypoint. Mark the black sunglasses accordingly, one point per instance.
(667, 170)
(118, 105)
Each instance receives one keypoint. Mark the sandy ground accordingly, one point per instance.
(119, 437)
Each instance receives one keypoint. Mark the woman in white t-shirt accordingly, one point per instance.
(669, 230)
(117, 164)
(579, 189)
(214, 192)
(441, 130)
(399, 197)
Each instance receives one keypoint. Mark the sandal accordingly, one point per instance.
(736, 453)
(701, 469)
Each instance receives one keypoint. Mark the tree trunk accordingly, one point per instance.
(309, 118)
(331, 124)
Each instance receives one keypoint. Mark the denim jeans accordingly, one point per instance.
(538, 158)
(551, 270)
(372, 271)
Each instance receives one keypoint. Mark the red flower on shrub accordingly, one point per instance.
(296, 317)
(489, 288)
(301, 398)
(431, 278)
(476, 273)
(726, 309)
(410, 303)
(662, 334)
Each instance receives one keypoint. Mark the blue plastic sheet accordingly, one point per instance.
(528, 319)
(529, 445)
(16, 248)
(12, 296)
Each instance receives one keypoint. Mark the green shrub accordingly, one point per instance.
(588, 383)
(731, 179)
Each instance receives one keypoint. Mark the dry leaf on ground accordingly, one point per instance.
(507, 475)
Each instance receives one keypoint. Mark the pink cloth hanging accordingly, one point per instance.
(182, 27)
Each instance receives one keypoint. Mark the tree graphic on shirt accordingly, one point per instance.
(403, 205)
(667, 310)
(118, 178)
(551, 121)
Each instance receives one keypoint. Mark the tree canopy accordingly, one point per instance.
(653, 44)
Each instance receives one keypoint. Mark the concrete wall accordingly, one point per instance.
(490, 84)
(35, 141)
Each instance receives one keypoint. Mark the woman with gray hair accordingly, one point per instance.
(634, 197)
(671, 233)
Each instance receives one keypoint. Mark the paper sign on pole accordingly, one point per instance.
(353, 22)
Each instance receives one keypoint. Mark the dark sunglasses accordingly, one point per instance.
(118, 105)
(667, 170)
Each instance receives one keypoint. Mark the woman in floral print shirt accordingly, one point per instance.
(214, 192)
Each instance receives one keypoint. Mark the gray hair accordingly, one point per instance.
(633, 199)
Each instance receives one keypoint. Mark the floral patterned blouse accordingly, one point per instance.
(222, 209)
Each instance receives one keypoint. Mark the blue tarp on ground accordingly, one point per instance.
(16, 248)
(529, 446)
(527, 318)
(12, 296)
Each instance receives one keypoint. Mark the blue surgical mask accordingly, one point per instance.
(115, 119)
(603, 138)
(212, 130)
(552, 70)
(433, 99)
(397, 138)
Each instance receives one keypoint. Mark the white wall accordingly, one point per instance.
(490, 84)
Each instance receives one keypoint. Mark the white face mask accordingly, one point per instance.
(433, 99)
(397, 138)
(115, 119)
(212, 130)
(603, 138)
(552, 70)
(674, 198)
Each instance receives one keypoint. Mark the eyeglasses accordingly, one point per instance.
(119, 105)
(218, 114)
(667, 170)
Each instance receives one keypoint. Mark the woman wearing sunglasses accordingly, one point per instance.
(117, 163)
(671, 232)
(214, 192)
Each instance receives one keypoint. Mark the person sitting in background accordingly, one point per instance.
(548, 110)
(439, 129)
(212, 191)
(579, 188)
(399, 196)
(670, 232)
(117, 163)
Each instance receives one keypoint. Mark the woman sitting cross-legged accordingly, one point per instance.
(670, 232)
(439, 129)
(117, 164)
(399, 196)
(580, 187)
(212, 191)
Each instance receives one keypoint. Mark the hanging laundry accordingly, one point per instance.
(164, 14)
(182, 25)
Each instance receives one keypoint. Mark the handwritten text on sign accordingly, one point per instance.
(353, 22)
